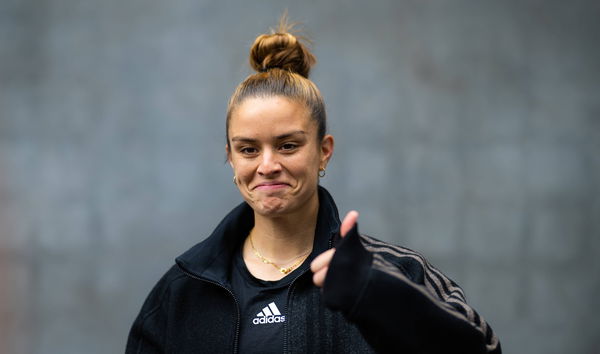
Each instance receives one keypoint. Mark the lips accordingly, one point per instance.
(271, 185)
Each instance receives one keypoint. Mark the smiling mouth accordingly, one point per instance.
(271, 186)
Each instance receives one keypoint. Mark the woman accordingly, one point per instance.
(268, 279)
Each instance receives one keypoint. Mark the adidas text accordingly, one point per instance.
(268, 319)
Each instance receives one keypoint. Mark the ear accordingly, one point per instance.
(228, 154)
(327, 145)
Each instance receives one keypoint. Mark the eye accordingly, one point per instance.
(248, 150)
(288, 146)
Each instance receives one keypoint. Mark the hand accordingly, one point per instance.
(320, 265)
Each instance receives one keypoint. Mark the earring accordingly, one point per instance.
(321, 172)
(235, 180)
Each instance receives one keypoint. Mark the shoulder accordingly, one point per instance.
(162, 290)
(412, 265)
(393, 253)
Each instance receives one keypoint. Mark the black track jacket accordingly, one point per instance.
(377, 298)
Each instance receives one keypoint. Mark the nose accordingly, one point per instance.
(269, 164)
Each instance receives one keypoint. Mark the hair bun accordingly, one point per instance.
(281, 50)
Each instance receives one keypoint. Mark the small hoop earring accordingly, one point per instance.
(321, 172)
(235, 180)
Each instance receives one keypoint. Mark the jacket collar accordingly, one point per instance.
(212, 258)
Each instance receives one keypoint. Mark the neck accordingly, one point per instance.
(285, 237)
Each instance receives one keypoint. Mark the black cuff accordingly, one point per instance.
(348, 273)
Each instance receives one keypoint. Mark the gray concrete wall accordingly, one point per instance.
(467, 130)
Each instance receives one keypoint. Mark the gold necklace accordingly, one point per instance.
(282, 270)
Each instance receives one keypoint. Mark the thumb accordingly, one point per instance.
(349, 222)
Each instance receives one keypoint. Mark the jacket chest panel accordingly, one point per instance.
(314, 328)
(203, 318)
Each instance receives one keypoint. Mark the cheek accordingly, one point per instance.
(242, 169)
(306, 167)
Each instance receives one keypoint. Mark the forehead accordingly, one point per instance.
(269, 115)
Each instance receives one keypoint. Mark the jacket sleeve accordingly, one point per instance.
(400, 303)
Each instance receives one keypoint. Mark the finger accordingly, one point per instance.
(322, 260)
(319, 277)
(348, 222)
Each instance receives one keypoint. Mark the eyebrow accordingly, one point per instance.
(278, 137)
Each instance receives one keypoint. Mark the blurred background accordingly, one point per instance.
(466, 130)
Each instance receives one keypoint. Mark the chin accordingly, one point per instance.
(272, 206)
(273, 209)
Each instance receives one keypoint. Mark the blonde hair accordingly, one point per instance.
(283, 63)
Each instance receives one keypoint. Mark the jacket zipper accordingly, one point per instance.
(290, 293)
(237, 305)
(285, 325)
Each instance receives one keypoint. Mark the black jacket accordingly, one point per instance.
(377, 298)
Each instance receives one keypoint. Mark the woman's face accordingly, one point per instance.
(275, 155)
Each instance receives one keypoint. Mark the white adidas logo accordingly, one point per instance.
(269, 314)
